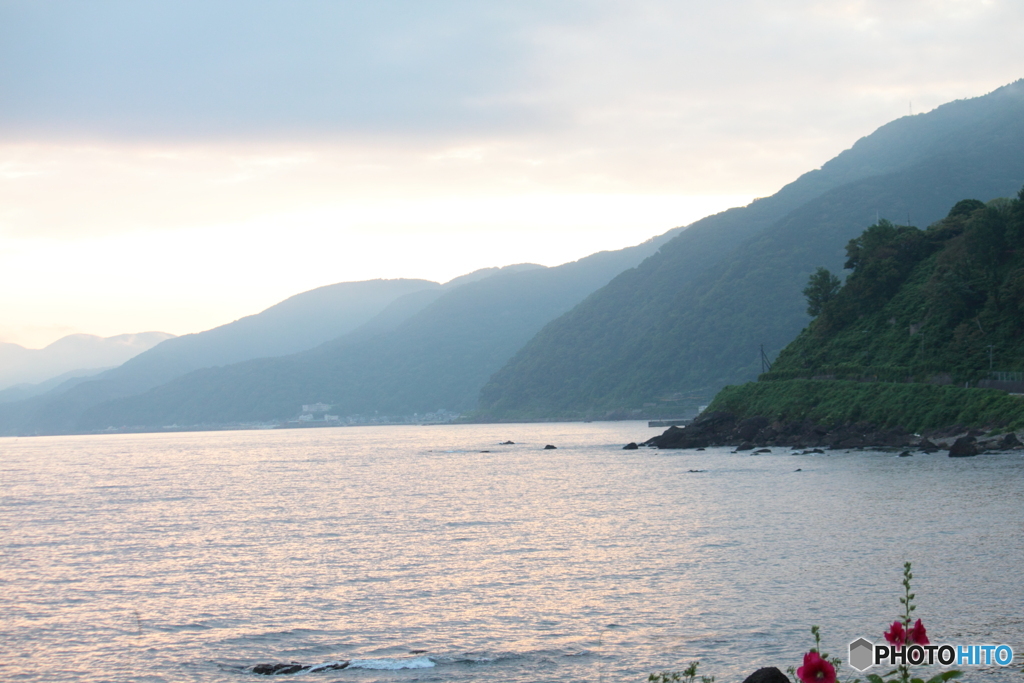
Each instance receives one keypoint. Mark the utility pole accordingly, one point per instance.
(764, 361)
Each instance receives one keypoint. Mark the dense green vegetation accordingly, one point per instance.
(942, 304)
(836, 402)
(919, 308)
(692, 318)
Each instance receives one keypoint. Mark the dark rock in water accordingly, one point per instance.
(927, 446)
(700, 449)
(1010, 441)
(763, 450)
(745, 447)
(697, 471)
(798, 470)
(964, 447)
(485, 451)
(281, 669)
(906, 454)
(631, 446)
(768, 674)
(507, 443)
(420, 652)
(549, 447)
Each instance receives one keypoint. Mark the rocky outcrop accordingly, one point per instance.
(725, 429)
(631, 446)
(964, 447)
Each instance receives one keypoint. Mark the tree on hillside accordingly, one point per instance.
(821, 288)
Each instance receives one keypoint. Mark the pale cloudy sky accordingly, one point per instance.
(175, 165)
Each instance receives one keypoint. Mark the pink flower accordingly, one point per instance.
(816, 670)
(917, 634)
(897, 636)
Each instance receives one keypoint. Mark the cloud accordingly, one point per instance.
(458, 68)
(203, 129)
(263, 68)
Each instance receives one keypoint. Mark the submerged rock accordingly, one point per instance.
(281, 669)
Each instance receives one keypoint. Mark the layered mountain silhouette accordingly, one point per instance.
(72, 356)
(693, 318)
(433, 347)
(297, 323)
(622, 333)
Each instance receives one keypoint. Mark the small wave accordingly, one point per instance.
(392, 664)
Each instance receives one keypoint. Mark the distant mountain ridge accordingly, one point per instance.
(299, 322)
(437, 358)
(692, 318)
(498, 309)
(73, 353)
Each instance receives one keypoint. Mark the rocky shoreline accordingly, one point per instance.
(753, 433)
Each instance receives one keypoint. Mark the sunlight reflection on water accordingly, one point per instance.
(181, 557)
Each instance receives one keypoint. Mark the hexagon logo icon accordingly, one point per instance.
(860, 654)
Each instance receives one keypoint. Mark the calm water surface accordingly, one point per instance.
(189, 557)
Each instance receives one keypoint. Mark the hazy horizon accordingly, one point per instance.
(178, 167)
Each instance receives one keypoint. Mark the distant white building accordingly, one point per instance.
(316, 408)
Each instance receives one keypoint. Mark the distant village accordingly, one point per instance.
(318, 415)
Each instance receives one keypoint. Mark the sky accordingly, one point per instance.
(175, 166)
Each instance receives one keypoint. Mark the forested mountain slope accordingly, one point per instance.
(945, 302)
(692, 319)
(436, 359)
(430, 349)
(926, 331)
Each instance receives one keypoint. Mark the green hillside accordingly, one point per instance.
(914, 407)
(940, 304)
(923, 317)
(691, 320)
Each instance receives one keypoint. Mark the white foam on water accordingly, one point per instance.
(324, 665)
(392, 664)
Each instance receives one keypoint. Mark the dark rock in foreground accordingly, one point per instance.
(631, 446)
(768, 674)
(549, 447)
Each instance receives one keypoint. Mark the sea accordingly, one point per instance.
(440, 553)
